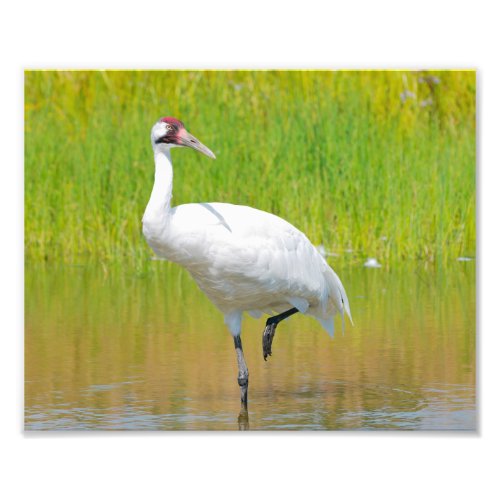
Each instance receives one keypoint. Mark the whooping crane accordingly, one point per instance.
(242, 258)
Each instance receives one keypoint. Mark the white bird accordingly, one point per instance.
(243, 259)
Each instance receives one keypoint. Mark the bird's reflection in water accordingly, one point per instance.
(243, 422)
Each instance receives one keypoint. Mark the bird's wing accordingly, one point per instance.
(240, 250)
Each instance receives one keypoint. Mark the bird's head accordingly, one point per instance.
(170, 132)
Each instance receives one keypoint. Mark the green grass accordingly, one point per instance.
(338, 154)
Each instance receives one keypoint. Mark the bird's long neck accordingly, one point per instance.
(158, 207)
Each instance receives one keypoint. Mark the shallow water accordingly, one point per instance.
(117, 350)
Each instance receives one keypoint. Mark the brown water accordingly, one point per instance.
(114, 349)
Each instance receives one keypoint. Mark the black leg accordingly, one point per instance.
(242, 370)
(271, 324)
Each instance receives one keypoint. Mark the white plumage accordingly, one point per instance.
(248, 260)
(242, 258)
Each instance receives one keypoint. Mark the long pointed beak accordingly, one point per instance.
(190, 141)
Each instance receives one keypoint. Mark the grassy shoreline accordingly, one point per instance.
(380, 164)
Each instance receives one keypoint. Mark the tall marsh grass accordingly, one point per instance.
(368, 163)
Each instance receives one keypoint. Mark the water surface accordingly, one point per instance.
(116, 350)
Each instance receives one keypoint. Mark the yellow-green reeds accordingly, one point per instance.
(368, 163)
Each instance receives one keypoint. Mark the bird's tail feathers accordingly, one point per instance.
(339, 295)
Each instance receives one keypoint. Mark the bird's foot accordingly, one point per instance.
(267, 339)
